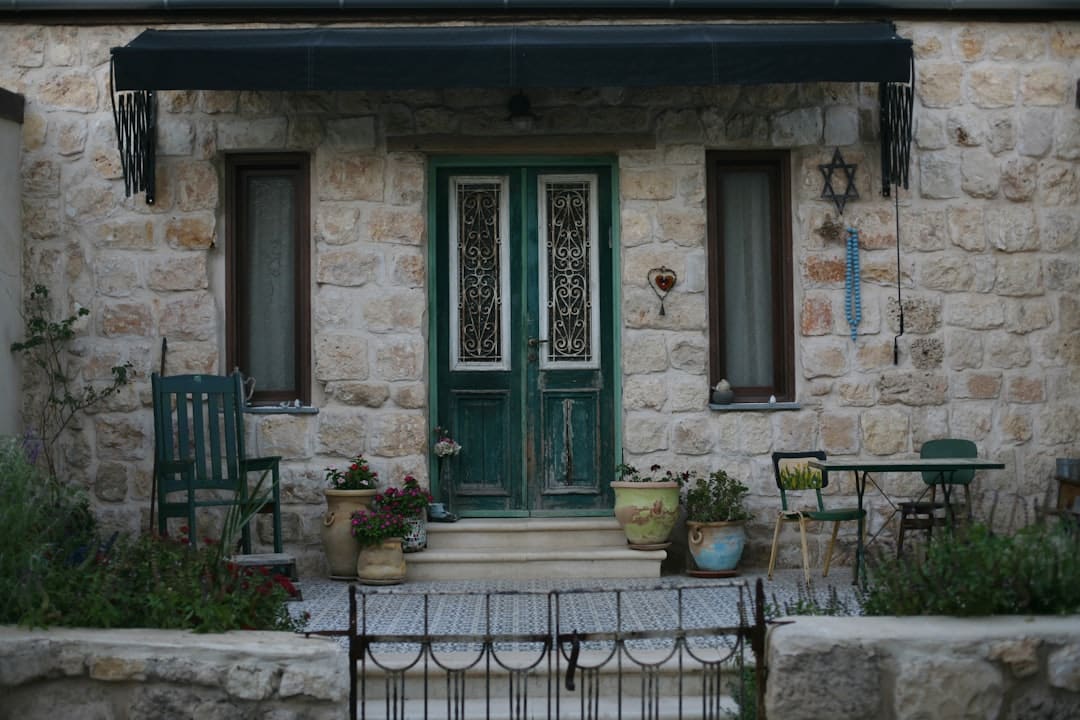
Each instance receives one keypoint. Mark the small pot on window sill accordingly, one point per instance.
(722, 397)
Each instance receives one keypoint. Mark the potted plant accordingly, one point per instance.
(715, 515)
(411, 502)
(377, 533)
(347, 490)
(647, 505)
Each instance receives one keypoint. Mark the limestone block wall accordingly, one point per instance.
(894, 668)
(989, 269)
(69, 672)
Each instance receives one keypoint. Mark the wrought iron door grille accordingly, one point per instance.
(583, 654)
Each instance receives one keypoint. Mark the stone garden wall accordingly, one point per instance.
(990, 264)
(1002, 668)
(137, 674)
(998, 668)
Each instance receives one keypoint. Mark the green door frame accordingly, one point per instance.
(436, 163)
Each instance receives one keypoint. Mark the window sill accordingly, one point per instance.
(754, 406)
(281, 410)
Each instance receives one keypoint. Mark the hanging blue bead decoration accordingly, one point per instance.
(852, 296)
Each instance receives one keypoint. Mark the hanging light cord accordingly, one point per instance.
(899, 300)
(852, 296)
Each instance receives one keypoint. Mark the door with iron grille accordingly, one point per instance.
(524, 337)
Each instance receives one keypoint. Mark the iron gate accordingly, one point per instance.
(649, 653)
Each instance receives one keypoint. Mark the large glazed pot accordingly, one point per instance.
(339, 545)
(647, 511)
(382, 564)
(716, 546)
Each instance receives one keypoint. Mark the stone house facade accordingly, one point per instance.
(989, 260)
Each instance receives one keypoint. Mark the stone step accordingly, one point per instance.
(525, 533)
(527, 565)
(537, 708)
(498, 689)
(530, 548)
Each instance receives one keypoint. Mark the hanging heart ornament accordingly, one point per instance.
(662, 279)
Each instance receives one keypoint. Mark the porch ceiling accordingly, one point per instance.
(511, 57)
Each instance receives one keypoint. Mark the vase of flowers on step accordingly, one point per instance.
(348, 489)
(445, 449)
(410, 501)
(378, 533)
(647, 505)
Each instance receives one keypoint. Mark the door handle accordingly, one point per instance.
(534, 342)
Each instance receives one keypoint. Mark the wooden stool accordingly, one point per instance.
(918, 515)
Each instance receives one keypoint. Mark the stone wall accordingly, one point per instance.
(135, 674)
(999, 668)
(11, 325)
(990, 267)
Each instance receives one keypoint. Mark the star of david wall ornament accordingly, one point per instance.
(847, 174)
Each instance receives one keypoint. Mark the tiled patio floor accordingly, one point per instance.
(522, 606)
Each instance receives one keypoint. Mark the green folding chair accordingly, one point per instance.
(793, 475)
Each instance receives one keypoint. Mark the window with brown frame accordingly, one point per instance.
(268, 286)
(751, 333)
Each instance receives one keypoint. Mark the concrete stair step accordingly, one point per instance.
(525, 533)
(497, 686)
(528, 548)
(525, 565)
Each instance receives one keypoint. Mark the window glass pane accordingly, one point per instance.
(568, 273)
(479, 328)
(748, 298)
(270, 281)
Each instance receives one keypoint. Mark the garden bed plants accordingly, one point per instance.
(55, 569)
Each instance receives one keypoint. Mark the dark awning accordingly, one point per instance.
(511, 57)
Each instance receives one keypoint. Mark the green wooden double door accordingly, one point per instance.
(524, 336)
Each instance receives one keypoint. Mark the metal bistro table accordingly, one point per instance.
(862, 469)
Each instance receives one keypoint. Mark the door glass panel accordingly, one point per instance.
(568, 272)
(479, 265)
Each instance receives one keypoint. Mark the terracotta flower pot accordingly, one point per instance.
(339, 545)
(382, 564)
(647, 511)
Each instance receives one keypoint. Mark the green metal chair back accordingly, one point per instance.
(948, 448)
(803, 477)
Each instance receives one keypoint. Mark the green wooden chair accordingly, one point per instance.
(199, 457)
(949, 448)
(793, 474)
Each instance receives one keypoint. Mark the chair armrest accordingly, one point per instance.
(260, 463)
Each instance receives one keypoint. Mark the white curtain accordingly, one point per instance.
(747, 278)
(271, 285)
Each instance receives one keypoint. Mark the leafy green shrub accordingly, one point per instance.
(809, 602)
(744, 691)
(42, 524)
(45, 349)
(55, 571)
(717, 498)
(162, 583)
(974, 572)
